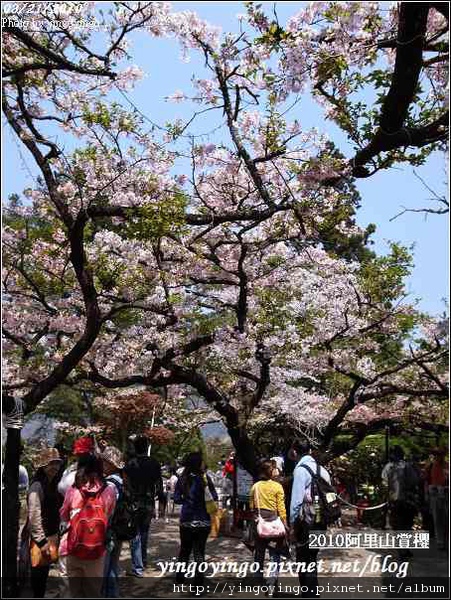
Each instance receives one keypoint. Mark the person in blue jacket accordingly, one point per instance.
(195, 522)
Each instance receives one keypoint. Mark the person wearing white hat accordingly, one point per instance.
(113, 464)
(279, 464)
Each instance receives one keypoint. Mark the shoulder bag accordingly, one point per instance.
(268, 529)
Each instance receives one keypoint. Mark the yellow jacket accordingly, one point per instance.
(270, 496)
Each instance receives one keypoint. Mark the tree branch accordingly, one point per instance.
(408, 64)
(56, 61)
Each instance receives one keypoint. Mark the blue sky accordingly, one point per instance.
(383, 195)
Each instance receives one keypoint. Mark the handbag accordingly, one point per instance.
(38, 559)
(24, 555)
(268, 529)
(210, 504)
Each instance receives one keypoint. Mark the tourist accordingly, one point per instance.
(24, 483)
(112, 461)
(228, 472)
(162, 497)
(195, 521)
(278, 462)
(82, 449)
(422, 470)
(170, 486)
(402, 482)
(301, 513)
(63, 452)
(43, 518)
(437, 491)
(144, 477)
(229, 466)
(267, 499)
(88, 506)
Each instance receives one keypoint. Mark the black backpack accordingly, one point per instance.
(403, 484)
(143, 485)
(123, 524)
(329, 504)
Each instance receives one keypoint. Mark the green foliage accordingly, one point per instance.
(175, 129)
(330, 66)
(158, 218)
(273, 313)
(364, 464)
(217, 449)
(383, 277)
(99, 116)
(183, 443)
(66, 404)
(110, 117)
(107, 271)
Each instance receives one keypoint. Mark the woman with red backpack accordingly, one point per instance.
(88, 505)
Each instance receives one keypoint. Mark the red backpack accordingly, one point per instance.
(87, 531)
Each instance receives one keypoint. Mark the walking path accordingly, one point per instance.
(164, 543)
(164, 547)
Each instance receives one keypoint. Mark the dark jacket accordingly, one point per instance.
(44, 504)
(190, 493)
(145, 482)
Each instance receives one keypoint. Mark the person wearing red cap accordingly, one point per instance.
(82, 449)
(88, 507)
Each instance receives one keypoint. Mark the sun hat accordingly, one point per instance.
(114, 456)
(47, 456)
(279, 462)
(84, 445)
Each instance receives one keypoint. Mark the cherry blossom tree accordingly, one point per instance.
(340, 50)
(243, 279)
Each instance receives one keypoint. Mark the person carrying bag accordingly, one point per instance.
(88, 506)
(196, 493)
(210, 503)
(270, 531)
(271, 526)
(41, 529)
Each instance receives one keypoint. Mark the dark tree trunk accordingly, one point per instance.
(10, 514)
(245, 449)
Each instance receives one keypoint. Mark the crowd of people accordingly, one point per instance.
(79, 515)
(411, 489)
(415, 488)
(82, 509)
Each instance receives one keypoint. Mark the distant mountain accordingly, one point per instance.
(215, 430)
(40, 428)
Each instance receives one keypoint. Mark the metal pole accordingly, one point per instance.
(234, 492)
(149, 447)
(387, 443)
(387, 458)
